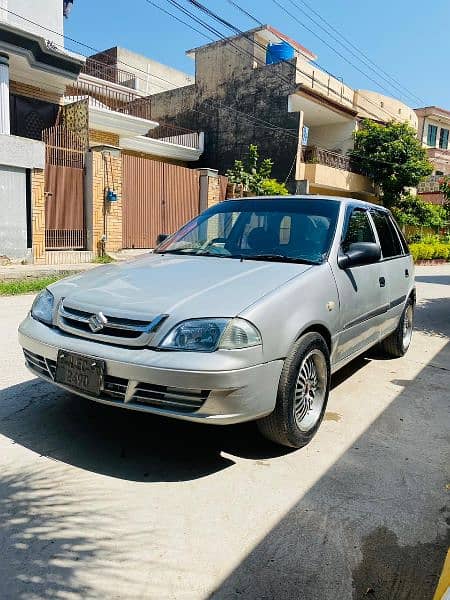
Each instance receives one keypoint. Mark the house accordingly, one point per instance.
(138, 183)
(84, 166)
(34, 72)
(299, 115)
(433, 132)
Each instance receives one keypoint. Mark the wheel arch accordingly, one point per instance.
(320, 329)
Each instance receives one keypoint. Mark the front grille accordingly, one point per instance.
(43, 366)
(116, 388)
(115, 330)
(169, 397)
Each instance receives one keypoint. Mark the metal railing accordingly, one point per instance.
(111, 73)
(321, 156)
(173, 134)
(127, 102)
(102, 96)
(64, 239)
(430, 184)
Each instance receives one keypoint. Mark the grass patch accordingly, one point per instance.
(26, 286)
(103, 260)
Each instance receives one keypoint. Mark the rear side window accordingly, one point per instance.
(389, 240)
(359, 229)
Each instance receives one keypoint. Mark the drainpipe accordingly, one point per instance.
(4, 94)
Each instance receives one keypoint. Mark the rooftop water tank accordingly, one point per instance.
(276, 53)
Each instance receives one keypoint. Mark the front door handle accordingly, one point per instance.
(406, 273)
(382, 281)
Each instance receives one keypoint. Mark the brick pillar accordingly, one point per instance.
(209, 188)
(103, 218)
(38, 215)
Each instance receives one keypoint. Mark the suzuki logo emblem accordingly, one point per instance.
(97, 322)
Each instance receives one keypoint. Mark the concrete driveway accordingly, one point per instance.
(96, 502)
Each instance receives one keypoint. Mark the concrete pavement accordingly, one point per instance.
(97, 502)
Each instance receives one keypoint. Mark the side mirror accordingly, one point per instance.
(360, 253)
(161, 237)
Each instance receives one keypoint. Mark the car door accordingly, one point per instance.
(362, 296)
(397, 265)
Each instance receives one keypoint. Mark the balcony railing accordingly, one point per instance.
(321, 156)
(129, 103)
(102, 96)
(173, 134)
(111, 73)
(430, 184)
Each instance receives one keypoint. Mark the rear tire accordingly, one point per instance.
(302, 394)
(397, 344)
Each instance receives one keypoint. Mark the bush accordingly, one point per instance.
(430, 250)
(412, 210)
(272, 187)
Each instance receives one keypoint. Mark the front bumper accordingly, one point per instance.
(225, 391)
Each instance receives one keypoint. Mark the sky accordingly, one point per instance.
(407, 39)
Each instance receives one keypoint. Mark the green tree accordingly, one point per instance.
(444, 186)
(411, 210)
(254, 175)
(392, 156)
(445, 189)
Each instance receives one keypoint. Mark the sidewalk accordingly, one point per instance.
(11, 272)
(16, 271)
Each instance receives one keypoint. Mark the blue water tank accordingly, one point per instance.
(276, 53)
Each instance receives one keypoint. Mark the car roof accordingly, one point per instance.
(354, 202)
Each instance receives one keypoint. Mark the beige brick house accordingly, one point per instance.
(84, 168)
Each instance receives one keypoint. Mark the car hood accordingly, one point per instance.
(187, 286)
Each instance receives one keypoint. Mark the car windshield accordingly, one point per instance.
(283, 230)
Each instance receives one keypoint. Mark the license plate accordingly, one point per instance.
(80, 372)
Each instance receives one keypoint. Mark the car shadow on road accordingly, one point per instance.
(122, 443)
(127, 444)
(143, 447)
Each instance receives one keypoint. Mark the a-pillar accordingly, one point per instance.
(4, 94)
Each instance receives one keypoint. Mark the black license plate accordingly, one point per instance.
(80, 372)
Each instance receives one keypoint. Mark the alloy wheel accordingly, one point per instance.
(310, 390)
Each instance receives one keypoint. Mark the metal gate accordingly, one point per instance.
(64, 189)
(156, 198)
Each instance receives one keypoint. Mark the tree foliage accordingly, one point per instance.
(392, 156)
(411, 210)
(444, 186)
(445, 189)
(254, 175)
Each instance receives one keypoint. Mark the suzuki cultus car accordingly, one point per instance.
(243, 314)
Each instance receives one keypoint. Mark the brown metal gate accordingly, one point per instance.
(64, 188)
(157, 198)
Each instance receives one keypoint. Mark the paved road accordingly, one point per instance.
(100, 503)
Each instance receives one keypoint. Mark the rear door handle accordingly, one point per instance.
(382, 281)
(406, 273)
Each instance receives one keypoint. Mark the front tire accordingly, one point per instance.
(397, 344)
(302, 394)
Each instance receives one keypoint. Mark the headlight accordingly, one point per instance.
(207, 335)
(42, 309)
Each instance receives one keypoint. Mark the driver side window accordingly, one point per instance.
(359, 229)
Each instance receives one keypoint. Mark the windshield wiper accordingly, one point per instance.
(280, 258)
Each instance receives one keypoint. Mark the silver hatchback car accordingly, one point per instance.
(243, 314)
